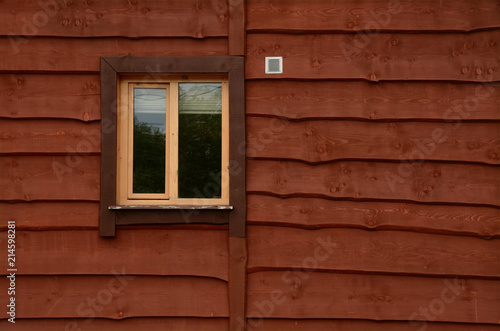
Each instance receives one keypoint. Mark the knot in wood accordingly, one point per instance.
(465, 70)
(394, 42)
(322, 149)
(479, 71)
(350, 25)
(494, 156)
(490, 71)
(456, 53)
(145, 11)
(20, 82)
(78, 22)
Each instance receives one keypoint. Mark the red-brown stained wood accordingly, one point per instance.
(373, 15)
(298, 294)
(363, 100)
(70, 177)
(129, 324)
(50, 215)
(421, 182)
(312, 213)
(296, 324)
(186, 18)
(237, 27)
(117, 296)
(140, 252)
(355, 250)
(374, 57)
(43, 54)
(237, 282)
(50, 96)
(321, 141)
(49, 136)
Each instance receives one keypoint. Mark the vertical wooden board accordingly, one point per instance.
(186, 18)
(237, 282)
(128, 324)
(176, 252)
(422, 182)
(237, 27)
(300, 295)
(440, 101)
(313, 213)
(50, 96)
(49, 136)
(77, 55)
(117, 296)
(372, 15)
(50, 215)
(400, 252)
(316, 141)
(70, 177)
(375, 57)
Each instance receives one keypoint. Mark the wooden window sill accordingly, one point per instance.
(179, 207)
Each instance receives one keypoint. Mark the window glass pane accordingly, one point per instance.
(200, 141)
(150, 107)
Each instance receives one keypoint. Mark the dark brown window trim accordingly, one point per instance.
(110, 217)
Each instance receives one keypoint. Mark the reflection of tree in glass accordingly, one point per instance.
(149, 159)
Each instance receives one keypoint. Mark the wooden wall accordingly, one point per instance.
(69, 278)
(373, 170)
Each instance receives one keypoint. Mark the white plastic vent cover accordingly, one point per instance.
(274, 65)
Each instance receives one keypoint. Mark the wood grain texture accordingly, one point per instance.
(447, 56)
(349, 16)
(118, 297)
(70, 177)
(419, 182)
(363, 100)
(322, 141)
(237, 282)
(49, 136)
(50, 215)
(44, 54)
(326, 295)
(128, 324)
(355, 250)
(237, 27)
(312, 213)
(187, 18)
(360, 325)
(50, 96)
(173, 252)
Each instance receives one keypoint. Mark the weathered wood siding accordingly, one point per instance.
(373, 172)
(175, 277)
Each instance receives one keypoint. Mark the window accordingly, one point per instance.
(173, 142)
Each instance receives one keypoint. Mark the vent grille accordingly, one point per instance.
(274, 65)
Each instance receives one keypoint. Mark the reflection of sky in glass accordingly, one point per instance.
(200, 98)
(150, 107)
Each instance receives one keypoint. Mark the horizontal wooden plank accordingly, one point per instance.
(139, 252)
(50, 215)
(70, 177)
(350, 16)
(276, 294)
(414, 181)
(312, 213)
(49, 136)
(129, 324)
(157, 18)
(400, 252)
(359, 325)
(374, 57)
(45, 54)
(364, 100)
(117, 296)
(48, 96)
(322, 141)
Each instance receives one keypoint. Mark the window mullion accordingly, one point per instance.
(173, 148)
